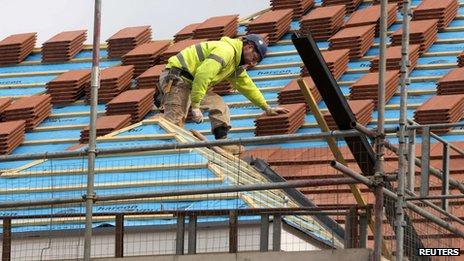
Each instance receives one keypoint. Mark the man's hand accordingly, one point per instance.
(275, 111)
(197, 116)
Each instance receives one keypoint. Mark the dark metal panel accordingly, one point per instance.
(233, 232)
(264, 233)
(276, 232)
(337, 105)
(335, 101)
(119, 240)
(180, 234)
(192, 234)
(6, 238)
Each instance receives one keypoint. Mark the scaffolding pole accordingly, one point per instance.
(95, 84)
(379, 141)
(402, 152)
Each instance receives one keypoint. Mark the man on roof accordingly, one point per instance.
(189, 75)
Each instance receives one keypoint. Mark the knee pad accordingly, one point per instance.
(220, 132)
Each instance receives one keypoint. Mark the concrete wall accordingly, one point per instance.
(319, 255)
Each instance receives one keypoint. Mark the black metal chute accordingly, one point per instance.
(334, 100)
(343, 116)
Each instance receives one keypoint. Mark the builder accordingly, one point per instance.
(190, 74)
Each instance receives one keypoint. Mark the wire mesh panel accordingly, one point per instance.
(151, 202)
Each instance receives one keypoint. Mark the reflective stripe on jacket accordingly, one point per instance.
(212, 62)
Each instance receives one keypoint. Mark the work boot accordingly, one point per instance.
(233, 149)
(220, 133)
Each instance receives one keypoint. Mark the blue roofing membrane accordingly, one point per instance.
(66, 178)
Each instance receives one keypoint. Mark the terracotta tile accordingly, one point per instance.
(351, 5)
(130, 33)
(15, 48)
(68, 36)
(299, 6)
(186, 32)
(17, 39)
(275, 22)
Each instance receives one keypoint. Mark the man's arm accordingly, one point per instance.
(243, 83)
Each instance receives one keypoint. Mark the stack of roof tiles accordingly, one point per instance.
(367, 86)
(106, 125)
(441, 109)
(336, 60)
(299, 7)
(357, 39)
(177, 47)
(292, 94)
(362, 110)
(113, 81)
(145, 55)
(451, 83)
(393, 57)
(68, 86)
(351, 5)
(186, 32)
(216, 27)
(323, 22)
(33, 109)
(15, 48)
(444, 10)
(276, 23)
(137, 103)
(461, 59)
(63, 46)
(223, 88)
(11, 135)
(4, 103)
(127, 39)
(422, 32)
(150, 78)
(283, 123)
(371, 15)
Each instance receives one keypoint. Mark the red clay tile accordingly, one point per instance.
(127, 39)
(15, 48)
(323, 22)
(33, 109)
(423, 32)
(275, 22)
(63, 46)
(299, 6)
(145, 56)
(186, 32)
(216, 27)
(393, 56)
(357, 39)
(445, 11)
(283, 123)
(150, 78)
(69, 86)
(371, 15)
(351, 5)
(106, 125)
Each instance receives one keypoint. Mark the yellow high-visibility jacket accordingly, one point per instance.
(212, 62)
